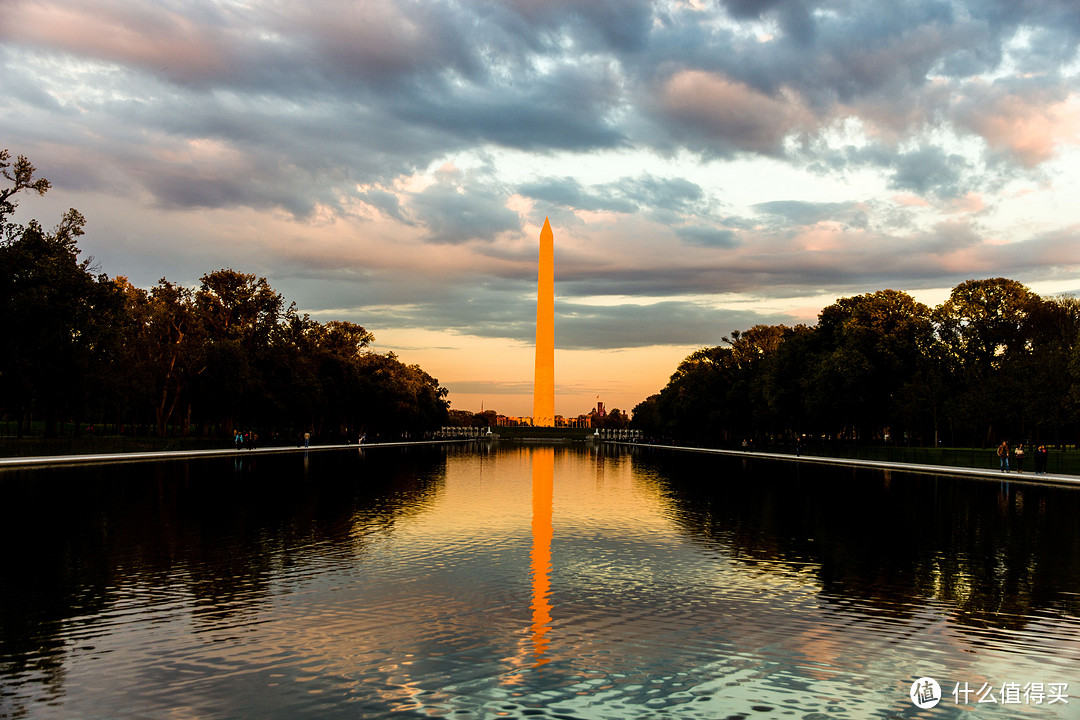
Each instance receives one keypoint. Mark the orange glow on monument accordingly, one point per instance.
(543, 473)
(544, 378)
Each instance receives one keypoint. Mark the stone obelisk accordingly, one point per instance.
(544, 379)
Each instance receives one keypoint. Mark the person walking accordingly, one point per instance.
(1040, 460)
(1019, 454)
(1003, 455)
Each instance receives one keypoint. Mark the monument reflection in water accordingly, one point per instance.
(516, 581)
(543, 473)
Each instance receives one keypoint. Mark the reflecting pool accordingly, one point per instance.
(515, 580)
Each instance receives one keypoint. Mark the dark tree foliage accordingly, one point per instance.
(56, 317)
(84, 348)
(467, 418)
(993, 361)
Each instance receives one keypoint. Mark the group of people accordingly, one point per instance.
(1004, 451)
(249, 439)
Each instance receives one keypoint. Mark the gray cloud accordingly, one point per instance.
(708, 236)
(793, 212)
(931, 170)
(627, 195)
(941, 256)
(565, 107)
(672, 194)
(456, 210)
(568, 192)
(928, 170)
(385, 202)
(578, 326)
(311, 109)
(359, 93)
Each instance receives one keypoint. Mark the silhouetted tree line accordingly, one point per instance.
(85, 348)
(467, 418)
(993, 361)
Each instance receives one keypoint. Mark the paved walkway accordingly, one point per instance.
(990, 473)
(50, 460)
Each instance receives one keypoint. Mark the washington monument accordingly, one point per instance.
(544, 379)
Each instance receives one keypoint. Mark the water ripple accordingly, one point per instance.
(422, 597)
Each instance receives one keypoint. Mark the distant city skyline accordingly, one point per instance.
(707, 166)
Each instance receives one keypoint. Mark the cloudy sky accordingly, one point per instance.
(706, 165)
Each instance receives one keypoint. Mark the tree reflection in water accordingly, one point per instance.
(84, 542)
(996, 553)
(513, 579)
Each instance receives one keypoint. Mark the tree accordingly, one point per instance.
(345, 340)
(229, 352)
(399, 398)
(21, 176)
(1047, 372)
(785, 383)
(754, 352)
(174, 343)
(648, 418)
(994, 357)
(616, 420)
(869, 346)
(55, 314)
(460, 418)
(695, 399)
(984, 319)
(239, 307)
(243, 317)
(985, 330)
(336, 353)
(755, 344)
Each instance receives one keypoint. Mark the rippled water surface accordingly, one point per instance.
(520, 581)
